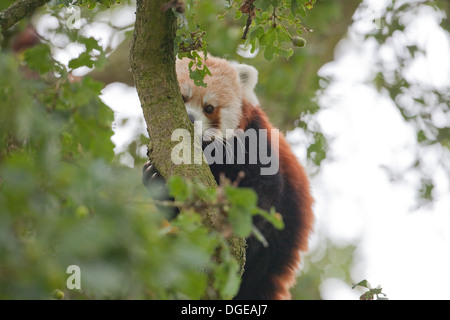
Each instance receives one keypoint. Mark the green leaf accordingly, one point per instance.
(180, 189)
(83, 60)
(241, 221)
(243, 202)
(90, 43)
(268, 37)
(364, 283)
(226, 275)
(273, 217)
(197, 69)
(264, 5)
(426, 190)
(93, 56)
(198, 75)
(270, 51)
(258, 32)
(39, 58)
(268, 40)
(421, 136)
(259, 236)
(283, 34)
(302, 11)
(241, 197)
(287, 53)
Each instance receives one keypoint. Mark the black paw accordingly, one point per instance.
(155, 183)
(150, 175)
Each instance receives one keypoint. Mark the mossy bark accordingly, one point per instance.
(152, 60)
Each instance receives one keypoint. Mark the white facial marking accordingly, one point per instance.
(198, 115)
(230, 117)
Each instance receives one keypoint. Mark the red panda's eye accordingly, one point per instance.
(184, 99)
(208, 109)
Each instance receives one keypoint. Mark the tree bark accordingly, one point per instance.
(152, 60)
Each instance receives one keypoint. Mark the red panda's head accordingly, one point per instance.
(219, 105)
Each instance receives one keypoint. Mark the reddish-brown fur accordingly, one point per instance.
(291, 170)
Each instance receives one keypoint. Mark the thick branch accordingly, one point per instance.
(153, 65)
(17, 11)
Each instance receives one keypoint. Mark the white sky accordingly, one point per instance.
(405, 251)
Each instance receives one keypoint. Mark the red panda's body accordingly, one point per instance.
(271, 271)
(229, 102)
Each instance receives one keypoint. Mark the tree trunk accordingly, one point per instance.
(153, 65)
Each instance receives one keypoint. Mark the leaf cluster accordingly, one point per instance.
(372, 293)
(275, 25)
(238, 205)
(64, 200)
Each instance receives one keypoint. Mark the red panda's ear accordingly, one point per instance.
(247, 77)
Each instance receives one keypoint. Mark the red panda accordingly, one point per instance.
(228, 103)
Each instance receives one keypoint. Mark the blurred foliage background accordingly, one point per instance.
(66, 199)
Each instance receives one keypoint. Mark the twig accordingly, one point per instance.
(248, 7)
(247, 27)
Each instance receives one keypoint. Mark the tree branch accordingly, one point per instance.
(248, 7)
(17, 11)
(153, 65)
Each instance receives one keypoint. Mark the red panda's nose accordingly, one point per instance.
(191, 117)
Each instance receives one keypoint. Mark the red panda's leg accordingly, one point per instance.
(269, 271)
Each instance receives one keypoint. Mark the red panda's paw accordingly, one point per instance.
(155, 183)
(150, 175)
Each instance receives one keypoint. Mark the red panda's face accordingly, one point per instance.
(219, 105)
